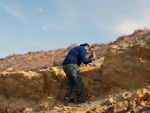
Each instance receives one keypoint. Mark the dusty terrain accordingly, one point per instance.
(121, 86)
(33, 61)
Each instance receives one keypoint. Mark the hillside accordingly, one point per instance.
(121, 86)
(32, 61)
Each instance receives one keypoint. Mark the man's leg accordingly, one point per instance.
(78, 87)
(69, 86)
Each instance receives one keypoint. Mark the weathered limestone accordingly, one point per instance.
(128, 65)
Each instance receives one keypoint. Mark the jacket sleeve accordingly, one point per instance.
(83, 57)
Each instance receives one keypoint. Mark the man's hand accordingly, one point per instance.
(93, 56)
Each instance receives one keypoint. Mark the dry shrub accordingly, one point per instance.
(58, 62)
(95, 45)
(71, 46)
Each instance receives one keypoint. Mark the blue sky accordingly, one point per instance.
(33, 25)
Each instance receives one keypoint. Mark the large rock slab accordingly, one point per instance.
(128, 65)
(50, 82)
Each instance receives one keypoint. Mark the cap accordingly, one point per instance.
(85, 44)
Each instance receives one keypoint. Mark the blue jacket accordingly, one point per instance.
(76, 56)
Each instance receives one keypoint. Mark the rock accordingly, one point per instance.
(50, 82)
(143, 104)
(28, 110)
(90, 111)
(82, 112)
(110, 101)
(132, 104)
(45, 105)
(98, 110)
(121, 107)
(67, 108)
(127, 95)
(119, 98)
(128, 66)
(148, 88)
(141, 92)
(108, 108)
(137, 109)
(27, 85)
(134, 96)
(148, 103)
(124, 96)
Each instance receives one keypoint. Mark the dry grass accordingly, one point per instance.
(32, 61)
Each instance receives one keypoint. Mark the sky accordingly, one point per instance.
(34, 25)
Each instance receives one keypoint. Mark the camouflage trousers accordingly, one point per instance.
(74, 79)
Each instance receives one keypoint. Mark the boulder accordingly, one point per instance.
(128, 65)
(27, 85)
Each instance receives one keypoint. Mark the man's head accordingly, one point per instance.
(86, 45)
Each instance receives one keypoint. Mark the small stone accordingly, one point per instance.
(90, 111)
(107, 108)
(121, 107)
(104, 107)
(137, 109)
(148, 87)
(134, 96)
(148, 103)
(119, 98)
(44, 105)
(67, 108)
(132, 104)
(143, 104)
(28, 110)
(110, 101)
(141, 92)
(144, 97)
(89, 102)
(98, 110)
(127, 95)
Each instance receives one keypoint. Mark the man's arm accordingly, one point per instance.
(93, 56)
(83, 57)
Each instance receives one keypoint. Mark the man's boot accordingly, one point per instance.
(68, 100)
(80, 99)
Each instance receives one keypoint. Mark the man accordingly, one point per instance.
(71, 68)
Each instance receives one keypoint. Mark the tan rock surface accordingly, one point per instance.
(47, 84)
(128, 65)
(121, 107)
(120, 86)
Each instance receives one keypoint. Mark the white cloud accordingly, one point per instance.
(73, 13)
(68, 16)
(140, 19)
(11, 9)
(38, 9)
(129, 26)
(46, 27)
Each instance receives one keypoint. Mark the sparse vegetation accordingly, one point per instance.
(43, 59)
(71, 46)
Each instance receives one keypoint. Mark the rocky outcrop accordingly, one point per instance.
(22, 84)
(47, 83)
(116, 100)
(118, 86)
(128, 65)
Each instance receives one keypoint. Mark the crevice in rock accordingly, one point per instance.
(39, 82)
(5, 92)
(45, 84)
(6, 111)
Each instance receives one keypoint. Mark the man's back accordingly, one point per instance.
(76, 56)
